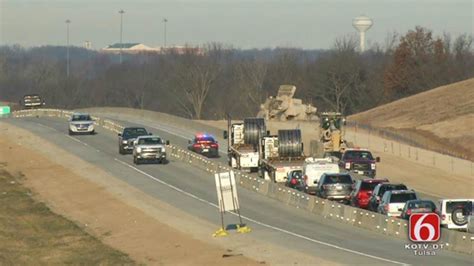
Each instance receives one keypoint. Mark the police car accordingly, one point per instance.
(204, 144)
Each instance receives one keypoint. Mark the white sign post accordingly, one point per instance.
(228, 200)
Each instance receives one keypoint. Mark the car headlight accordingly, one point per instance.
(139, 149)
(163, 149)
(372, 166)
(348, 165)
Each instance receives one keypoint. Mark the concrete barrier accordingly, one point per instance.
(393, 227)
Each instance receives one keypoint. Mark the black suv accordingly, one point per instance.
(128, 135)
(335, 187)
(378, 192)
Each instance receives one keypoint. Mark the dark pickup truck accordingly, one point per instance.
(359, 161)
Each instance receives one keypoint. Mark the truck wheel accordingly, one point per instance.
(121, 151)
(71, 133)
(136, 161)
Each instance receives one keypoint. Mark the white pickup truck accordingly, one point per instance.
(149, 148)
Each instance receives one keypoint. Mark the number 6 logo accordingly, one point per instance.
(424, 227)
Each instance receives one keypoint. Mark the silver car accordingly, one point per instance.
(335, 187)
(149, 148)
(81, 123)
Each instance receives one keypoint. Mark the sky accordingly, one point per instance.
(243, 24)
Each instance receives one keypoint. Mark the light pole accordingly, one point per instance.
(67, 47)
(121, 32)
(164, 33)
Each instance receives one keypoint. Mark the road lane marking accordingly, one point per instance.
(255, 221)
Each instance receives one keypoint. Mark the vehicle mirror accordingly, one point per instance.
(149, 133)
(167, 142)
(226, 134)
(119, 134)
(189, 141)
(268, 132)
(377, 159)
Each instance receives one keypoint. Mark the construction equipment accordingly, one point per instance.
(284, 107)
(332, 133)
(243, 142)
(281, 154)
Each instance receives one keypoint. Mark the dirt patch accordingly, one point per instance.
(446, 112)
(30, 233)
(149, 230)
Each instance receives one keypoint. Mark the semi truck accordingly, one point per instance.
(243, 141)
(280, 155)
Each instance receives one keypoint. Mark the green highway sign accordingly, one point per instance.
(4, 110)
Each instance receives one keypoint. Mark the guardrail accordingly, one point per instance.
(394, 227)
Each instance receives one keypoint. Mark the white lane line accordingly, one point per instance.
(247, 218)
(258, 222)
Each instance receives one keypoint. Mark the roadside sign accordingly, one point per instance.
(4, 110)
(226, 191)
(228, 201)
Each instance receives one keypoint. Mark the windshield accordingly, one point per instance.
(81, 118)
(297, 174)
(422, 205)
(402, 197)
(368, 186)
(134, 132)
(391, 187)
(335, 179)
(149, 141)
(451, 205)
(357, 155)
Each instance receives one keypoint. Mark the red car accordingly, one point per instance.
(363, 190)
(204, 144)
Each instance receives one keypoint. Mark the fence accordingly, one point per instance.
(453, 240)
(395, 144)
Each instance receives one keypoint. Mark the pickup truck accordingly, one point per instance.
(149, 148)
(359, 161)
(128, 136)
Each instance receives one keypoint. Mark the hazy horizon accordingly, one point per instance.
(242, 24)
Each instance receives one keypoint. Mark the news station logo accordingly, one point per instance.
(424, 229)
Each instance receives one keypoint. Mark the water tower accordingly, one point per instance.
(362, 24)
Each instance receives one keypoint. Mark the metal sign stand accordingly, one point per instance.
(225, 193)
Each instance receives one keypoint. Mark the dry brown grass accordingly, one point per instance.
(441, 118)
(30, 234)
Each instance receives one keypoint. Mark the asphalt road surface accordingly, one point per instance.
(193, 191)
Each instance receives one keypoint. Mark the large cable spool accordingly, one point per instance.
(290, 143)
(254, 129)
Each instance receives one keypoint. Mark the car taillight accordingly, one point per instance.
(214, 145)
(305, 178)
(293, 181)
(409, 212)
(348, 165)
(197, 145)
(443, 216)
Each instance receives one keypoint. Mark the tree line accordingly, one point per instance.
(225, 80)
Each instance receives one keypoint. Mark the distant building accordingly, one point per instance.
(131, 48)
(135, 48)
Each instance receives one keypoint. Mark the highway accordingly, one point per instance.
(193, 191)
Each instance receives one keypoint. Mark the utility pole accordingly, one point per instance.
(67, 47)
(164, 22)
(121, 12)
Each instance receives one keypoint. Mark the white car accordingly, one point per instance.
(81, 123)
(455, 213)
(314, 168)
(394, 201)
